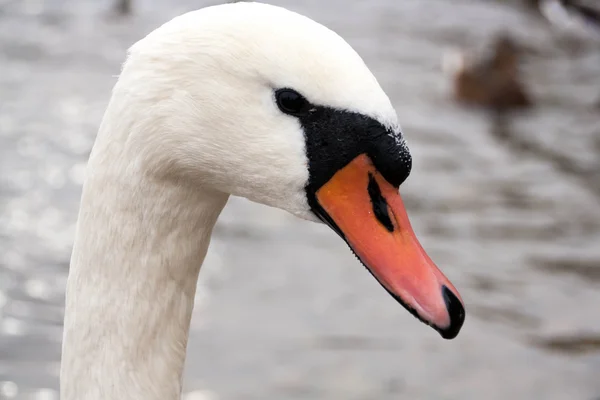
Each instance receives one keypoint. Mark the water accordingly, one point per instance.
(284, 310)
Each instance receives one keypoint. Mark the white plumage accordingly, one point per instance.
(191, 121)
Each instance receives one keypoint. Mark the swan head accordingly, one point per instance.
(257, 101)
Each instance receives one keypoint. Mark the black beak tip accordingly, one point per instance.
(456, 311)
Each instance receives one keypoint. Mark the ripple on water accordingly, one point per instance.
(570, 345)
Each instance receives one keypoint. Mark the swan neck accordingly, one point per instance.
(132, 280)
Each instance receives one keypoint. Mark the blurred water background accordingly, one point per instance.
(284, 311)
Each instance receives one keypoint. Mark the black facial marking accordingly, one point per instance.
(336, 137)
(380, 207)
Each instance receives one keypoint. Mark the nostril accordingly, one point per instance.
(456, 312)
(379, 204)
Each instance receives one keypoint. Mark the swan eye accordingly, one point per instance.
(291, 102)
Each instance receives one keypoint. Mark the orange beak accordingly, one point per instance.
(369, 214)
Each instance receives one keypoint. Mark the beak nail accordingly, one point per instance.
(456, 312)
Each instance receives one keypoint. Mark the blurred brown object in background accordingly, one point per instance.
(494, 82)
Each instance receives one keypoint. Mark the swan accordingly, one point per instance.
(241, 99)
